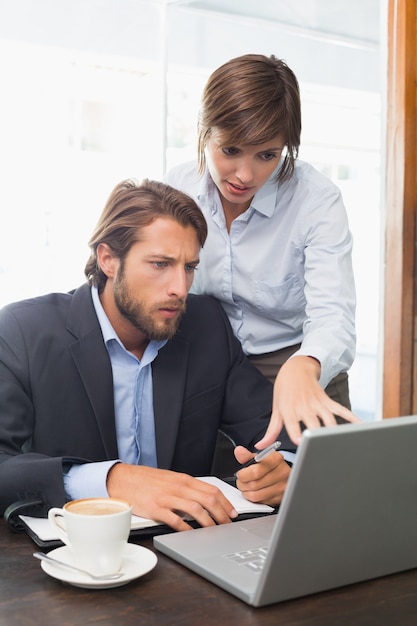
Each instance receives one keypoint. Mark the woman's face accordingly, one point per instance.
(239, 171)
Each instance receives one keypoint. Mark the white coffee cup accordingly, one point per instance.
(96, 529)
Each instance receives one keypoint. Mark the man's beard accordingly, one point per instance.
(136, 313)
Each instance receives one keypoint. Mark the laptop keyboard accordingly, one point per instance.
(252, 559)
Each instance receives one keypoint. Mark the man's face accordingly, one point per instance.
(151, 285)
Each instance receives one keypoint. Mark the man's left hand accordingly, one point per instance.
(262, 482)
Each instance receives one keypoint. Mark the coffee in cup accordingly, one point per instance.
(96, 530)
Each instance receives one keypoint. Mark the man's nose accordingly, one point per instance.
(179, 283)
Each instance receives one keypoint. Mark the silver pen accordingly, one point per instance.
(262, 454)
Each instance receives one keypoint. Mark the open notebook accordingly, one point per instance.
(43, 534)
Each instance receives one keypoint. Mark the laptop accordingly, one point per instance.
(349, 514)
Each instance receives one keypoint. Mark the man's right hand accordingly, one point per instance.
(167, 497)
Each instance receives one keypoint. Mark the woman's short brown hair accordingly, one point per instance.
(130, 207)
(250, 100)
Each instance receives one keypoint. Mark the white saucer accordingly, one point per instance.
(136, 562)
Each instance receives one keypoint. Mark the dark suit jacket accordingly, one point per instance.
(56, 393)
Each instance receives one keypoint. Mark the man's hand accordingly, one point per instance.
(168, 497)
(299, 398)
(264, 481)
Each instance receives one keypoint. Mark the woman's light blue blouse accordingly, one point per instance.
(284, 271)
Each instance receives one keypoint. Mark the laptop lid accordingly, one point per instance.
(349, 514)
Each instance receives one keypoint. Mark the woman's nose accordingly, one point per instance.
(244, 171)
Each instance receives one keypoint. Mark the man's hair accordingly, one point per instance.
(132, 206)
(250, 100)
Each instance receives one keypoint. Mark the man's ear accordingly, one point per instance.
(107, 261)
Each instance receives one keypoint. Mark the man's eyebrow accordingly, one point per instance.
(156, 255)
(166, 257)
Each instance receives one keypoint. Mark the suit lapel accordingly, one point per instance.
(93, 364)
(169, 376)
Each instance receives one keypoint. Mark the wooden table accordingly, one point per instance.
(172, 595)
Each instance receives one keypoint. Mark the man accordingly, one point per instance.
(119, 387)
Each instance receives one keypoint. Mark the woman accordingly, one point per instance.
(278, 253)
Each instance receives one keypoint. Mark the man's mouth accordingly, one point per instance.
(171, 311)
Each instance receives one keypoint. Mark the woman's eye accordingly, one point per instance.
(268, 156)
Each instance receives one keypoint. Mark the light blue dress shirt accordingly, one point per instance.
(133, 406)
(284, 271)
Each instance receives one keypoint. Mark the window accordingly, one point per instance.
(93, 93)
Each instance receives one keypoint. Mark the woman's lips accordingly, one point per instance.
(238, 189)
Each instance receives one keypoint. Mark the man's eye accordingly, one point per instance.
(191, 268)
(160, 264)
